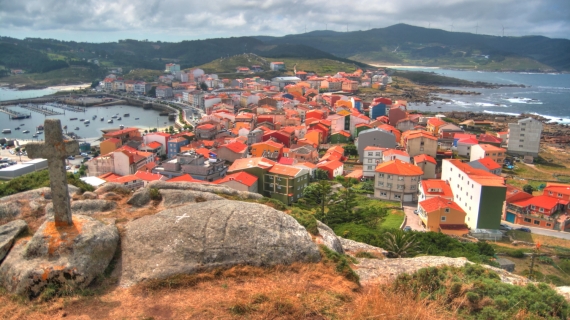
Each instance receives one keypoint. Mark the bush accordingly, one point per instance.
(341, 261)
(37, 180)
(306, 219)
(486, 296)
(518, 253)
(155, 194)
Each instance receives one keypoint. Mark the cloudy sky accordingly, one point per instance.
(176, 20)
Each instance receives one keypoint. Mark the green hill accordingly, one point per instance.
(403, 43)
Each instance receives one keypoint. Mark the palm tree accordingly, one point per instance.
(401, 243)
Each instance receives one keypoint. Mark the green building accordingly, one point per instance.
(257, 166)
(285, 183)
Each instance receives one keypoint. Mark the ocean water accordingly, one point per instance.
(147, 119)
(546, 94)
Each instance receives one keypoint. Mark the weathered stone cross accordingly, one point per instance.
(55, 149)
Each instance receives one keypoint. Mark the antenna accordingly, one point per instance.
(451, 25)
(503, 30)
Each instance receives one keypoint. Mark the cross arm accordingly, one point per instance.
(59, 149)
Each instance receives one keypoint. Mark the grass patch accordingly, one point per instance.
(341, 261)
(37, 180)
(393, 221)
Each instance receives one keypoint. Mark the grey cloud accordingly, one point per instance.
(174, 20)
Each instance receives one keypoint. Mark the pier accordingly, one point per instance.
(14, 115)
(40, 109)
(66, 107)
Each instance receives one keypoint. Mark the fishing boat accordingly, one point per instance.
(110, 121)
(121, 127)
(26, 131)
(119, 118)
(72, 119)
(81, 120)
(94, 117)
(39, 132)
(17, 128)
(76, 128)
(35, 136)
(115, 116)
(7, 131)
(136, 118)
(86, 121)
(126, 115)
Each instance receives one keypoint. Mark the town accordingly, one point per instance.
(275, 137)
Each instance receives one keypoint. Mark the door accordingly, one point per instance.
(510, 217)
(407, 198)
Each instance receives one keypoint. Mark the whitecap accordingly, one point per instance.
(503, 113)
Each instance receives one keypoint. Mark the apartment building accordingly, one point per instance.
(397, 180)
(480, 151)
(524, 137)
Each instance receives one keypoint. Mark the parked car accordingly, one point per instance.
(523, 229)
(67, 168)
(77, 166)
(83, 154)
(505, 227)
(407, 228)
(71, 158)
(416, 211)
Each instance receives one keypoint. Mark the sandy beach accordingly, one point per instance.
(402, 67)
(71, 87)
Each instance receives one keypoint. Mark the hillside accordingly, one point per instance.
(403, 43)
(320, 66)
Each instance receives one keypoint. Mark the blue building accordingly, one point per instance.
(377, 110)
(174, 146)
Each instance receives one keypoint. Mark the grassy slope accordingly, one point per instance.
(55, 77)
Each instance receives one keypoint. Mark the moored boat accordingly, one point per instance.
(110, 121)
(7, 131)
(26, 131)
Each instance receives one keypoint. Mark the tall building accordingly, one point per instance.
(524, 137)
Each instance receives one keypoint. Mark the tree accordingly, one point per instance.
(94, 84)
(350, 150)
(321, 174)
(401, 243)
(152, 92)
(203, 86)
(318, 194)
(528, 188)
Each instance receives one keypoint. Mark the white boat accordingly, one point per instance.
(110, 121)
(7, 131)
(26, 131)
(119, 118)
(121, 127)
(115, 116)
(39, 132)
(86, 121)
(35, 136)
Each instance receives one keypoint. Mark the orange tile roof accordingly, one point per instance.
(399, 168)
(342, 132)
(436, 184)
(558, 188)
(113, 140)
(542, 201)
(356, 174)
(307, 164)
(109, 176)
(424, 158)
(413, 134)
(491, 148)
(437, 203)
(391, 152)
(373, 148)
(236, 146)
(436, 122)
(148, 176)
(206, 126)
(124, 179)
(241, 177)
(331, 165)
(120, 132)
(148, 166)
(489, 163)
(479, 175)
(185, 178)
(245, 163)
(154, 145)
(285, 170)
(269, 143)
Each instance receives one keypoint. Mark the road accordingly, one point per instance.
(412, 219)
(544, 232)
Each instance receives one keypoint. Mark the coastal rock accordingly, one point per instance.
(88, 195)
(140, 198)
(39, 194)
(208, 235)
(329, 238)
(9, 210)
(86, 207)
(352, 247)
(70, 256)
(9, 232)
(173, 198)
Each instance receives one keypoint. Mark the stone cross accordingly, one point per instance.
(55, 149)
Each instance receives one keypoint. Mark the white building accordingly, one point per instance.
(372, 157)
(479, 193)
(524, 137)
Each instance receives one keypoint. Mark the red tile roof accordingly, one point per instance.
(331, 165)
(542, 201)
(399, 168)
(356, 174)
(558, 188)
(148, 176)
(489, 138)
(436, 122)
(390, 152)
(241, 177)
(479, 175)
(491, 148)
(424, 158)
(112, 140)
(206, 126)
(437, 203)
(432, 187)
(236, 146)
(489, 163)
(185, 178)
(286, 161)
(154, 145)
(124, 179)
(245, 163)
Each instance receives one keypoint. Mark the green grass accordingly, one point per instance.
(55, 77)
(36, 180)
(393, 220)
(143, 75)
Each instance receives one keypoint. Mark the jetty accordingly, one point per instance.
(66, 107)
(40, 109)
(14, 115)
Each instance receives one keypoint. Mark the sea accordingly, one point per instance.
(545, 94)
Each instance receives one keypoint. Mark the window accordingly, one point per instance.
(532, 207)
(397, 196)
(541, 210)
(271, 184)
(446, 209)
(550, 193)
(400, 187)
(536, 222)
(380, 175)
(527, 220)
(389, 185)
(383, 194)
(521, 146)
(377, 154)
(523, 129)
(443, 218)
(370, 154)
(369, 160)
(549, 225)
(370, 167)
(389, 176)
(521, 140)
(414, 178)
(421, 148)
(413, 187)
(400, 178)
(380, 183)
(522, 134)
(560, 195)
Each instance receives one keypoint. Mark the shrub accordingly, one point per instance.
(545, 260)
(306, 219)
(155, 194)
(36, 180)
(341, 261)
(516, 253)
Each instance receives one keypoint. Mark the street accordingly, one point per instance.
(544, 232)
(412, 219)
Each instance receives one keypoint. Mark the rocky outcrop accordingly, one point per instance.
(70, 256)
(41, 194)
(88, 195)
(174, 198)
(208, 235)
(140, 198)
(8, 233)
(86, 207)
(9, 210)
(113, 187)
(386, 270)
(11, 206)
(329, 238)
(212, 188)
(352, 247)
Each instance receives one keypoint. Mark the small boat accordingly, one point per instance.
(121, 127)
(119, 118)
(94, 117)
(126, 115)
(115, 116)
(163, 114)
(87, 125)
(17, 128)
(65, 127)
(136, 118)
(22, 124)
(86, 121)
(72, 118)
(7, 131)
(40, 127)
(35, 136)
(110, 121)
(81, 120)
(39, 132)
(76, 128)
(26, 131)
(102, 119)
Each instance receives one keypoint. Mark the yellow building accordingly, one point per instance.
(268, 149)
(442, 215)
(314, 136)
(109, 145)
